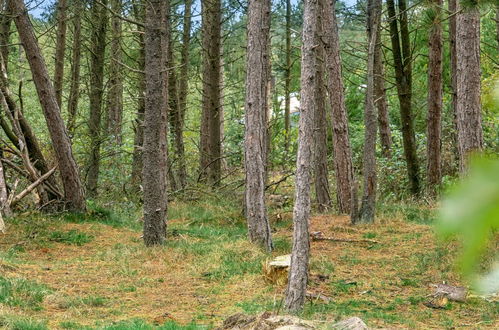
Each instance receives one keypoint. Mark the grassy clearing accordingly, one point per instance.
(93, 272)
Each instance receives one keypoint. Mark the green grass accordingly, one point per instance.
(19, 292)
(235, 263)
(89, 301)
(411, 212)
(137, 324)
(72, 237)
(12, 322)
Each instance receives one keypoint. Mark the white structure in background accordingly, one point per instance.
(294, 104)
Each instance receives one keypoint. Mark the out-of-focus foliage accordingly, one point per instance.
(471, 210)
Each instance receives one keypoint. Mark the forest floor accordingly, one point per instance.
(92, 271)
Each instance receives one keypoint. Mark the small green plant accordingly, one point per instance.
(22, 323)
(72, 237)
(19, 292)
(342, 286)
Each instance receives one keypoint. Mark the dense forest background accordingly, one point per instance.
(158, 159)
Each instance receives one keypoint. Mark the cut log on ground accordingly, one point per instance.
(276, 270)
(269, 321)
(453, 293)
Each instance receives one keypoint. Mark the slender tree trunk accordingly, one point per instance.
(298, 272)
(435, 91)
(402, 58)
(210, 141)
(380, 102)
(154, 170)
(320, 126)
(115, 83)
(137, 158)
(183, 91)
(453, 73)
(287, 79)
(468, 110)
(60, 49)
(97, 57)
(255, 138)
(62, 145)
(368, 206)
(4, 207)
(497, 26)
(173, 114)
(341, 144)
(74, 90)
(5, 22)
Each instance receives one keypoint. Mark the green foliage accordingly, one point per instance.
(471, 210)
(72, 237)
(235, 263)
(137, 324)
(19, 292)
(22, 323)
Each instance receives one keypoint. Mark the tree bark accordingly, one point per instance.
(435, 91)
(298, 272)
(60, 49)
(255, 137)
(154, 168)
(402, 58)
(74, 90)
(210, 142)
(287, 79)
(138, 141)
(468, 110)
(183, 91)
(497, 26)
(97, 58)
(453, 73)
(380, 102)
(342, 153)
(322, 194)
(115, 83)
(5, 22)
(4, 207)
(62, 145)
(368, 206)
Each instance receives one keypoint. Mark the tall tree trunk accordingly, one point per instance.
(380, 102)
(5, 22)
(255, 138)
(402, 58)
(97, 57)
(453, 73)
(368, 206)
(115, 83)
(343, 167)
(287, 79)
(62, 145)
(497, 26)
(468, 110)
(154, 170)
(210, 142)
(74, 90)
(4, 206)
(137, 158)
(298, 272)
(435, 90)
(60, 49)
(173, 113)
(320, 126)
(182, 95)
